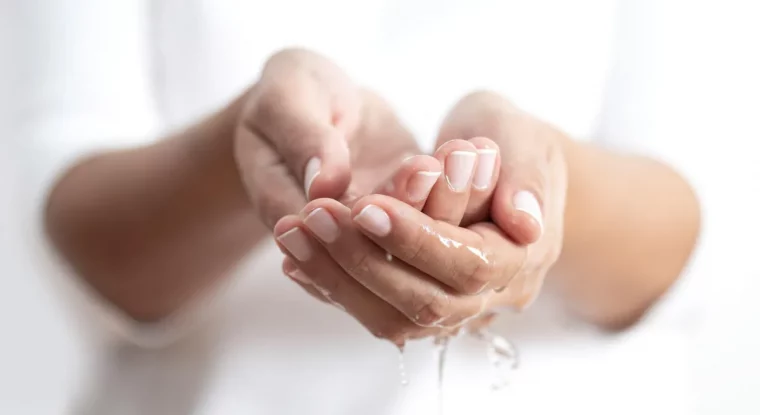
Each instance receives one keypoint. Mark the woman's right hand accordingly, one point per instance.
(307, 131)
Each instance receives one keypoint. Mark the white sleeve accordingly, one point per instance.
(84, 84)
(84, 80)
(681, 91)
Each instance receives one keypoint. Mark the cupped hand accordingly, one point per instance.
(443, 275)
(341, 254)
(528, 205)
(307, 131)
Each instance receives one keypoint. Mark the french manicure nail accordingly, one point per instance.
(296, 242)
(459, 165)
(311, 172)
(484, 171)
(300, 276)
(420, 185)
(322, 224)
(374, 220)
(526, 202)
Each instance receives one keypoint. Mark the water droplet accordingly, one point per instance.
(388, 256)
(450, 243)
(402, 367)
(503, 357)
(441, 344)
(501, 354)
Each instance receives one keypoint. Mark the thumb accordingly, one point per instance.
(324, 161)
(518, 203)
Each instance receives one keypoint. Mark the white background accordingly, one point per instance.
(40, 356)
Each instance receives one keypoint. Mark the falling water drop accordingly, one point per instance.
(401, 366)
(503, 358)
(441, 344)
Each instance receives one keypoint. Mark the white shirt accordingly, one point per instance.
(99, 74)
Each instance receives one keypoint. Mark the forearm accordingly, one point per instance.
(148, 228)
(631, 224)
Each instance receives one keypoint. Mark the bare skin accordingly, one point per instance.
(149, 227)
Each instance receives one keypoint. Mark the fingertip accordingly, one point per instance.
(517, 218)
(329, 173)
(288, 266)
(413, 180)
(322, 203)
(487, 169)
(422, 173)
(285, 224)
(374, 219)
(526, 202)
(483, 143)
(453, 146)
(382, 201)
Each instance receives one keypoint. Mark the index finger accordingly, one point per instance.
(467, 260)
(268, 182)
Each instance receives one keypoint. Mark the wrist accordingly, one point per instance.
(207, 150)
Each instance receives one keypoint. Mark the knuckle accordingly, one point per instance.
(270, 103)
(359, 263)
(436, 308)
(476, 280)
(415, 247)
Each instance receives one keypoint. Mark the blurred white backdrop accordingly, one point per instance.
(41, 357)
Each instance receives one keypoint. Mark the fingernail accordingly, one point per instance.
(374, 220)
(420, 185)
(322, 224)
(526, 202)
(459, 165)
(484, 171)
(311, 172)
(299, 276)
(296, 242)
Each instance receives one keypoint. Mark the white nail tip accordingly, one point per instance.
(463, 153)
(484, 171)
(459, 167)
(429, 173)
(526, 202)
(311, 172)
(285, 235)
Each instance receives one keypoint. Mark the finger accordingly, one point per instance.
(519, 198)
(379, 317)
(413, 180)
(447, 201)
(303, 115)
(483, 182)
(419, 297)
(273, 189)
(462, 258)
